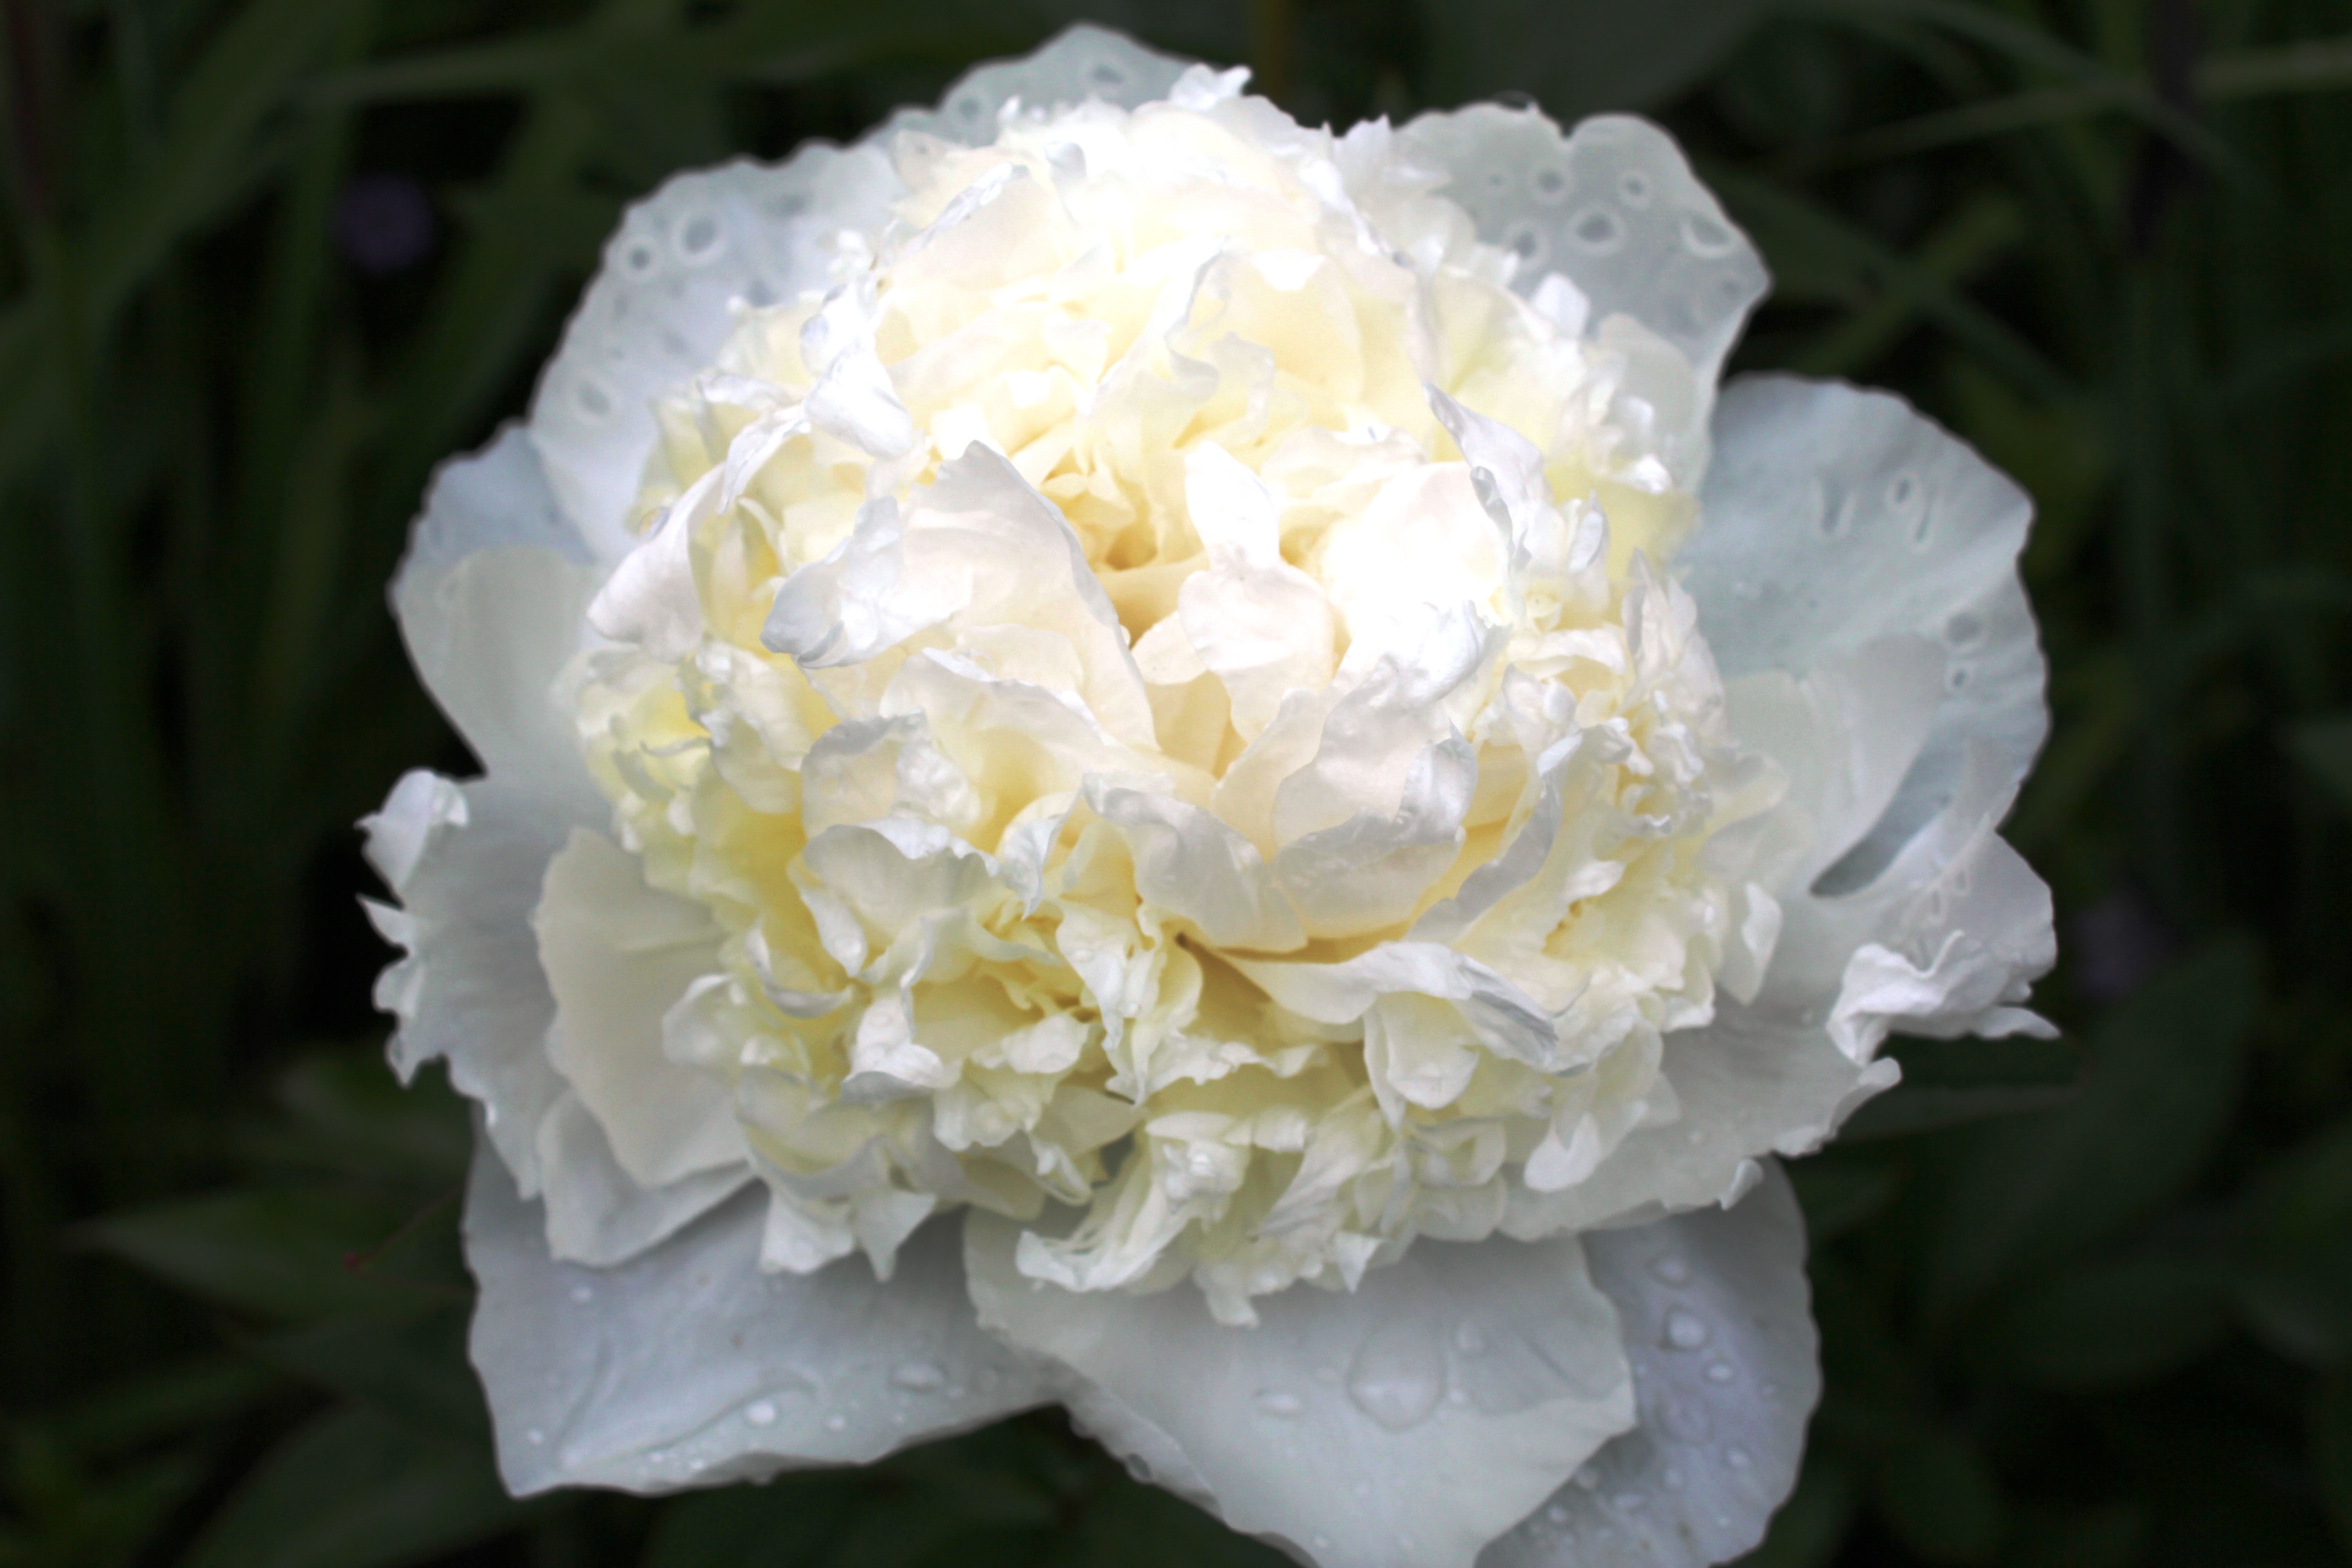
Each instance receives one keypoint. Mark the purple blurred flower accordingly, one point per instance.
(385, 223)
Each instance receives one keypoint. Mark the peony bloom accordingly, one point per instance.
(1140, 757)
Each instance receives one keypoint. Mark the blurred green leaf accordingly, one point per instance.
(2325, 746)
(279, 1253)
(414, 1370)
(161, 1403)
(1580, 57)
(354, 1489)
(1807, 1530)
(789, 1520)
(1948, 1082)
(2164, 1074)
(344, 1112)
(2331, 1447)
(2112, 1322)
(1937, 1493)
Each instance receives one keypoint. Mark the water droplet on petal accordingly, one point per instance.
(1279, 1402)
(1397, 1378)
(1671, 1269)
(1719, 1371)
(836, 1422)
(1556, 1513)
(1684, 1329)
(1736, 1458)
(583, 1294)
(536, 1436)
(761, 1413)
(918, 1376)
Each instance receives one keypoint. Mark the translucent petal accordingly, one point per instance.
(489, 601)
(1402, 1425)
(1083, 62)
(1834, 517)
(1613, 208)
(465, 862)
(687, 1366)
(1717, 1324)
(662, 304)
(619, 955)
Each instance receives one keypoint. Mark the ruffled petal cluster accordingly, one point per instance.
(1224, 705)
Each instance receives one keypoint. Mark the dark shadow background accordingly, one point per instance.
(266, 261)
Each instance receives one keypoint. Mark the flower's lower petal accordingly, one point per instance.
(1836, 517)
(467, 862)
(596, 1213)
(490, 603)
(619, 955)
(1718, 1324)
(1404, 1424)
(687, 1366)
(664, 302)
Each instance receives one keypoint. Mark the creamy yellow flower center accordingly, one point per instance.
(1158, 673)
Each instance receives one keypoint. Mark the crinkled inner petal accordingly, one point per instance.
(1401, 1425)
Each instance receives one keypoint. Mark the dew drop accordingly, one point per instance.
(918, 1376)
(1597, 230)
(537, 1436)
(1684, 1329)
(1964, 630)
(583, 1294)
(1671, 1269)
(1279, 1404)
(1551, 185)
(1736, 1458)
(761, 1413)
(1958, 677)
(836, 1422)
(697, 237)
(1556, 1513)
(638, 259)
(1397, 1378)
(1707, 238)
(1634, 187)
(1719, 1371)
(593, 400)
(1322, 1541)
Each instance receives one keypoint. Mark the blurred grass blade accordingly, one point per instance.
(1948, 1082)
(2324, 747)
(357, 1489)
(279, 1253)
(2164, 1071)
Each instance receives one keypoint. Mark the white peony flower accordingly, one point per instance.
(1201, 742)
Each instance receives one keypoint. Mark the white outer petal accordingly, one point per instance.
(1404, 1425)
(490, 601)
(687, 1366)
(1835, 517)
(662, 303)
(1718, 1324)
(467, 862)
(1564, 204)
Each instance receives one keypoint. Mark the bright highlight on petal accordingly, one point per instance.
(1219, 701)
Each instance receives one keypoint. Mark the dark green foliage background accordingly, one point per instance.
(2088, 1307)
